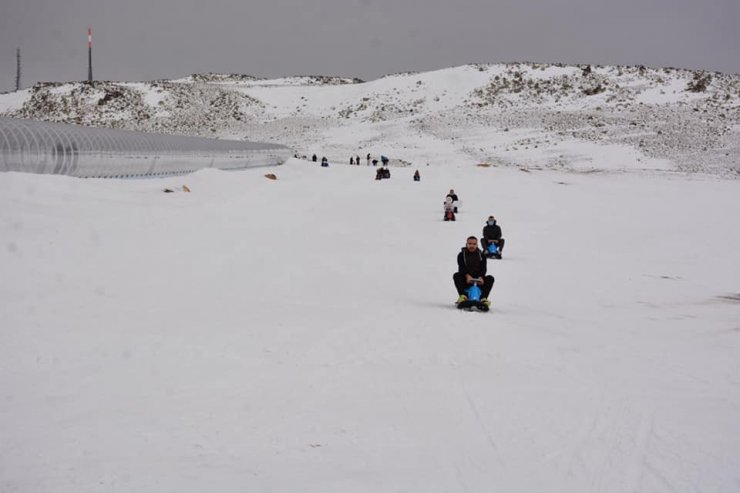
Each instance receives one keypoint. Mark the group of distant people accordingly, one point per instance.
(324, 161)
(369, 159)
(450, 206)
(380, 174)
(355, 160)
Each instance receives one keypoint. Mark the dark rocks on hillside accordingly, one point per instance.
(590, 91)
(700, 82)
(110, 95)
(211, 77)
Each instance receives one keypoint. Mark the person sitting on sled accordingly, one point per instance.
(492, 234)
(471, 264)
(449, 209)
(452, 195)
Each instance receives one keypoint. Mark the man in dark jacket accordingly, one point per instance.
(492, 234)
(471, 264)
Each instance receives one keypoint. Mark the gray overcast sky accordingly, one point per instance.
(150, 39)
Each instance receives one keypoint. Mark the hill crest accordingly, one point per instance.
(691, 118)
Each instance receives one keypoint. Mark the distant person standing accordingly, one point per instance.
(357, 160)
(351, 160)
(368, 159)
(324, 162)
(417, 176)
(314, 158)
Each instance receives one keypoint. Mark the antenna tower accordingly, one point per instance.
(18, 69)
(89, 54)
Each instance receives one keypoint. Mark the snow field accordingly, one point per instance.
(299, 335)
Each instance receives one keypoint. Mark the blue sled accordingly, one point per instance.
(473, 301)
(493, 251)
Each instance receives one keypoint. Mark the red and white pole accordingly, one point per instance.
(89, 54)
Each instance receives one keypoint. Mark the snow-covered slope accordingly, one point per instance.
(511, 114)
(299, 334)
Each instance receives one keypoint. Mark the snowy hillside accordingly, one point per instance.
(525, 115)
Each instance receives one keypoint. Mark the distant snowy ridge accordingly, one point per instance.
(690, 118)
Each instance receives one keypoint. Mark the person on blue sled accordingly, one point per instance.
(471, 269)
(492, 242)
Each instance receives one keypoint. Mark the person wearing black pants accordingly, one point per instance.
(471, 264)
(492, 234)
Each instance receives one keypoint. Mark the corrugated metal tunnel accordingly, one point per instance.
(59, 148)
